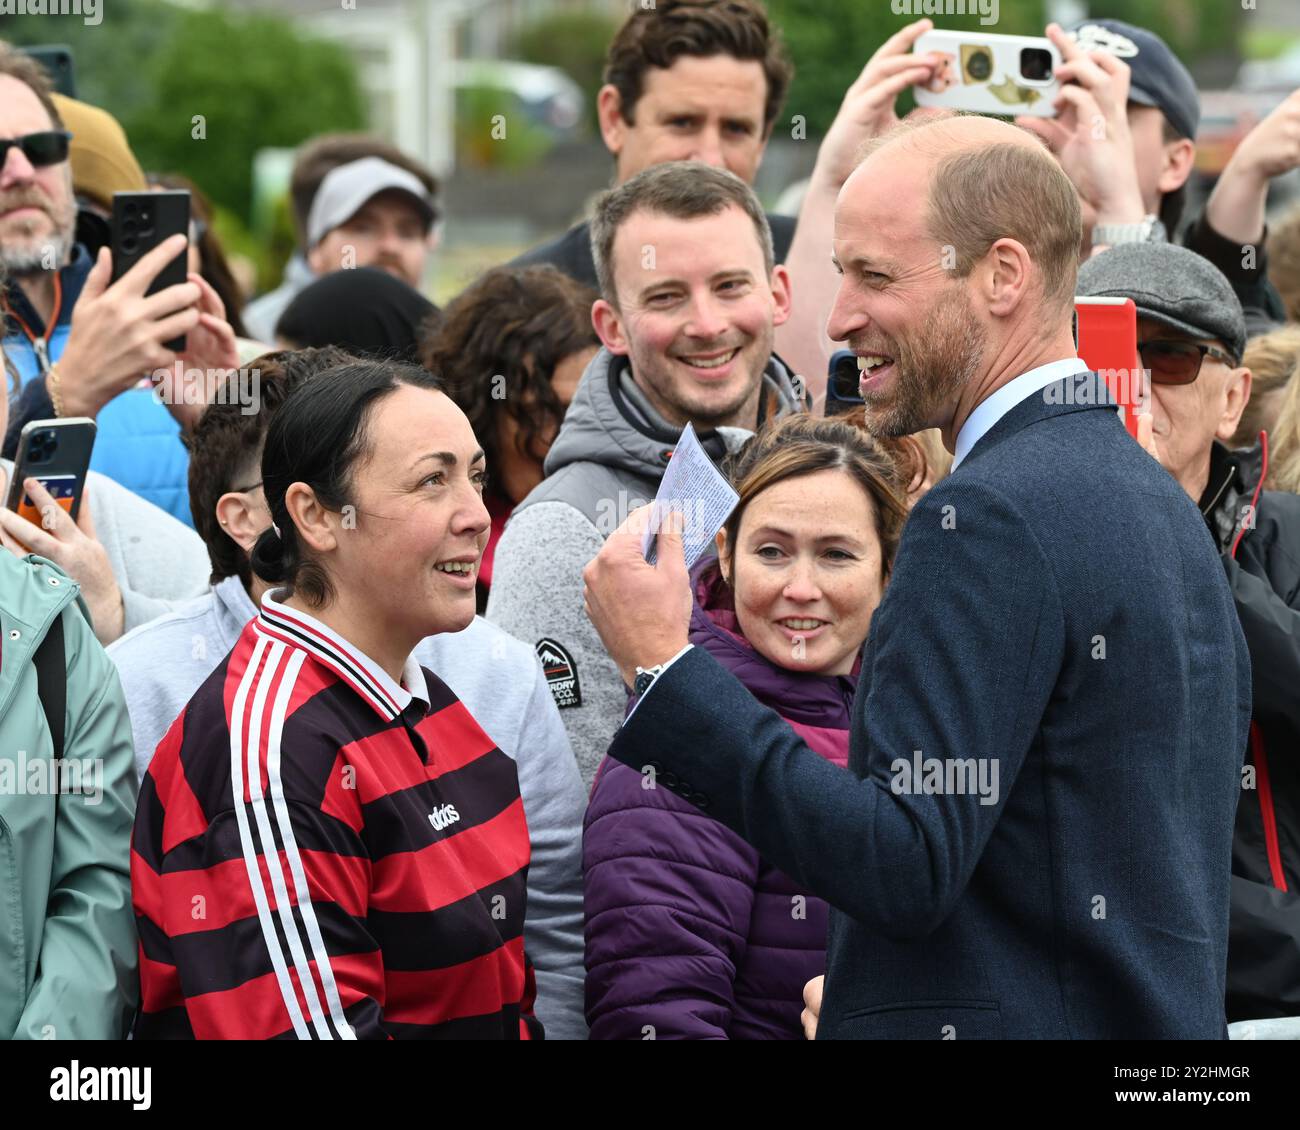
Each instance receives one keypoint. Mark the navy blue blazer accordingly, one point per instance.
(1057, 616)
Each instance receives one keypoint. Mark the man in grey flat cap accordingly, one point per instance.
(1191, 337)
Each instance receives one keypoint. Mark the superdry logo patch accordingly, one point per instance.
(561, 673)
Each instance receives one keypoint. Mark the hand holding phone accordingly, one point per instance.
(106, 354)
(48, 515)
(1090, 134)
(984, 73)
(1106, 335)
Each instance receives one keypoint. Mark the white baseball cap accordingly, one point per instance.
(345, 190)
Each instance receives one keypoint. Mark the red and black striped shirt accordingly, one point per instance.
(322, 853)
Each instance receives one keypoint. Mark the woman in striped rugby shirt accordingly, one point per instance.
(327, 845)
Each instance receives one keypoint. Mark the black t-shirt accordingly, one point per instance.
(571, 252)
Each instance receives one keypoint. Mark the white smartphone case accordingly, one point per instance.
(982, 74)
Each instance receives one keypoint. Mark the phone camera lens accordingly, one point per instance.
(129, 207)
(128, 225)
(979, 65)
(42, 447)
(1035, 64)
(129, 244)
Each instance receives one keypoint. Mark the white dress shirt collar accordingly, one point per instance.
(992, 408)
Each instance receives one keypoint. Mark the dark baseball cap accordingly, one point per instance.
(1159, 78)
(1170, 285)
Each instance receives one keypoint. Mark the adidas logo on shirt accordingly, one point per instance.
(444, 817)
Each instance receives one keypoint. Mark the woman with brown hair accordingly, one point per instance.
(689, 931)
(511, 349)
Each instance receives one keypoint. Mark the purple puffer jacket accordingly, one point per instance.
(691, 934)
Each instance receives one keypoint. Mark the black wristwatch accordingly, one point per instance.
(645, 677)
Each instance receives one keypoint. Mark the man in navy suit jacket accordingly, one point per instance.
(1033, 836)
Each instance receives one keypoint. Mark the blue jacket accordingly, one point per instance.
(1057, 613)
(137, 441)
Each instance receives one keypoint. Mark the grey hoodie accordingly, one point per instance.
(607, 460)
(163, 663)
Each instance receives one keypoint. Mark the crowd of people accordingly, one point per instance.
(348, 706)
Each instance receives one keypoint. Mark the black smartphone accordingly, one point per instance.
(141, 221)
(57, 454)
(842, 391)
(56, 58)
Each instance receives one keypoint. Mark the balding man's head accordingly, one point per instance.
(958, 241)
(987, 180)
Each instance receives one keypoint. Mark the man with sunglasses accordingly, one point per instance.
(82, 346)
(1191, 337)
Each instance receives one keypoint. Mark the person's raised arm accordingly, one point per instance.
(1236, 206)
(118, 331)
(866, 112)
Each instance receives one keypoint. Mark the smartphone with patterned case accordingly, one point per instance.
(990, 74)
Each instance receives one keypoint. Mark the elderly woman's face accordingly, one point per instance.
(421, 524)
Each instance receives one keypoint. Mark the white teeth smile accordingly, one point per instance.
(871, 361)
(801, 625)
(455, 567)
(714, 363)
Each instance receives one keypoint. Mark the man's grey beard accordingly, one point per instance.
(28, 257)
(927, 377)
(33, 258)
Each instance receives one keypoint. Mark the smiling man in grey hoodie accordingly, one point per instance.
(691, 298)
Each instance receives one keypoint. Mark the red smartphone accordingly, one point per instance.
(1106, 335)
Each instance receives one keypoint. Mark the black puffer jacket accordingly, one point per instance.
(1258, 533)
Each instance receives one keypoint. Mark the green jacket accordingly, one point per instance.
(67, 933)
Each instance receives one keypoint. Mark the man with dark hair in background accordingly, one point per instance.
(389, 222)
(685, 80)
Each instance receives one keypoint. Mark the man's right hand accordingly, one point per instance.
(812, 1000)
(117, 332)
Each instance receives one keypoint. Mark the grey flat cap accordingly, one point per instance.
(1170, 285)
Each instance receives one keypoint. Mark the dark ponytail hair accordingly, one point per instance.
(317, 437)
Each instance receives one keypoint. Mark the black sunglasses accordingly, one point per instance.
(1178, 362)
(49, 147)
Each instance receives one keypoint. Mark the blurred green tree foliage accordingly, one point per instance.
(254, 80)
(573, 41)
